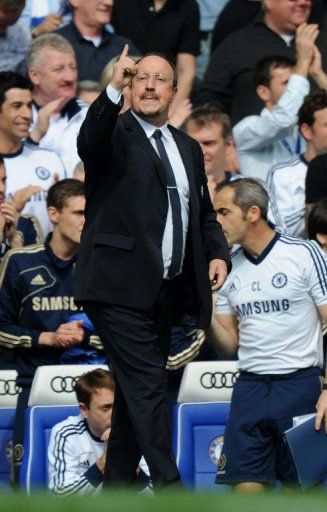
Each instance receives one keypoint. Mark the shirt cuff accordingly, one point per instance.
(113, 94)
(94, 475)
(35, 335)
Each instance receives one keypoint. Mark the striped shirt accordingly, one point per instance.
(72, 455)
(286, 185)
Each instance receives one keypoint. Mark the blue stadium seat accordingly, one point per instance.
(8, 400)
(39, 421)
(52, 399)
(200, 418)
(198, 437)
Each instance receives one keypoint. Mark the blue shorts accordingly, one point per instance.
(262, 409)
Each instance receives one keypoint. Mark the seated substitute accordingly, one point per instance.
(78, 445)
(270, 309)
(36, 296)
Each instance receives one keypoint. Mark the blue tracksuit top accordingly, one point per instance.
(36, 295)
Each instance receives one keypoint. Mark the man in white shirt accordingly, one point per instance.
(286, 181)
(57, 114)
(269, 138)
(271, 309)
(25, 164)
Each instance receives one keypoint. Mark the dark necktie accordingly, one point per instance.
(177, 253)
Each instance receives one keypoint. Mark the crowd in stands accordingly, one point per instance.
(252, 91)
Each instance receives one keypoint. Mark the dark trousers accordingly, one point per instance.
(137, 346)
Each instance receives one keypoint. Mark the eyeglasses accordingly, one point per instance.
(159, 78)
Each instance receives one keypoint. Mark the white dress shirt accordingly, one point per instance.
(180, 177)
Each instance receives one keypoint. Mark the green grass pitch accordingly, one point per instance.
(168, 502)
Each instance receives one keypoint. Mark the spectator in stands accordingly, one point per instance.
(286, 181)
(235, 15)
(317, 223)
(36, 296)
(170, 27)
(27, 166)
(209, 12)
(272, 137)
(15, 37)
(88, 91)
(275, 283)
(228, 82)
(238, 13)
(77, 447)
(15, 230)
(212, 130)
(93, 43)
(46, 16)
(316, 182)
(57, 114)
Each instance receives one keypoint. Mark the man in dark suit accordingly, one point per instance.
(150, 237)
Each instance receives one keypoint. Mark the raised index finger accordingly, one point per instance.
(124, 52)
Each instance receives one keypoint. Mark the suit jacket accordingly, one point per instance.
(120, 258)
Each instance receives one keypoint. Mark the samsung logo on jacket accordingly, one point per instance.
(58, 303)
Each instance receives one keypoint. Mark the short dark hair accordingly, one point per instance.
(312, 103)
(11, 80)
(162, 56)
(12, 5)
(90, 382)
(264, 68)
(317, 220)
(60, 192)
(210, 114)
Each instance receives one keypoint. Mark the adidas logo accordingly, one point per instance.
(38, 280)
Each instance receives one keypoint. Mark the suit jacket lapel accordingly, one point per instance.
(187, 158)
(131, 124)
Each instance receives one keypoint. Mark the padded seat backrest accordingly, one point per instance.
(39, 421)
(8, 400)
(53, 385)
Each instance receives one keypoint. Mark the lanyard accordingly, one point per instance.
(288, 147)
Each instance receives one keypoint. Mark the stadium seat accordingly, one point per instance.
(199, 421)
(8, 400)
(52, 399)
(39, 421)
